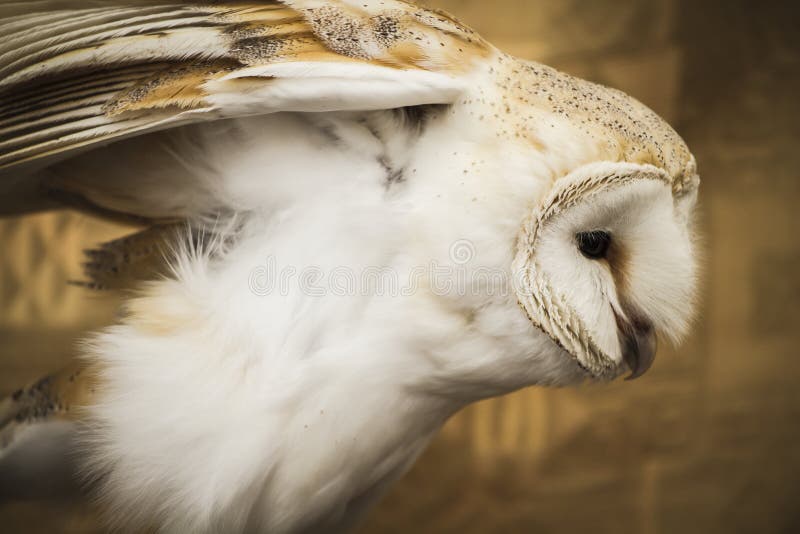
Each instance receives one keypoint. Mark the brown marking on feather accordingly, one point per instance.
(374, 37)
(287, 30)
(253, 50)
(342, 32)
(246, 30)
(452, 27)
(176, 87)
(61, 395)
(250, 12)
(124, 263)
(406, 54)
(257, 17)
(59, 87)
(320, 54)
(625, 129)
(387, 29)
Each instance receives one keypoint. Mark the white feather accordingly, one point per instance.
(279, 408)
(253, 390)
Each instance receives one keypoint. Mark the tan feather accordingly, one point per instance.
(57, 396)
(124, 262)
(38, 431)
(72, 80)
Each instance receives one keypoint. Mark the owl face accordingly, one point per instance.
(606, 265)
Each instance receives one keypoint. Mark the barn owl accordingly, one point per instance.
(265, 145)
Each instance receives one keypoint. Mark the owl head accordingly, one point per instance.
(605, 264)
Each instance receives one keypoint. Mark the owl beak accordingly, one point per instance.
(639, 343)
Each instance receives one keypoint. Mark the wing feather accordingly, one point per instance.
(73, 78)
(37, 433)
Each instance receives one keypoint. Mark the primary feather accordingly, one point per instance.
(289, 352)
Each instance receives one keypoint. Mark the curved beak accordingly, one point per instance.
(639, 344)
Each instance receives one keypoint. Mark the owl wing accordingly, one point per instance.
(77, 75)
(37, 433)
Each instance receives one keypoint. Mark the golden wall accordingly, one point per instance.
(707, 441)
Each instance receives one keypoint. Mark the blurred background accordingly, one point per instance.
(707, 441)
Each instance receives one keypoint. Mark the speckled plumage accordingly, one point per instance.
(315, 136)
(56, 396)
(397, 35)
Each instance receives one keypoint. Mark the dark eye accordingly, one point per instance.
(594, 244)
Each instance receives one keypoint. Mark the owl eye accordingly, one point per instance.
(594, 244)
